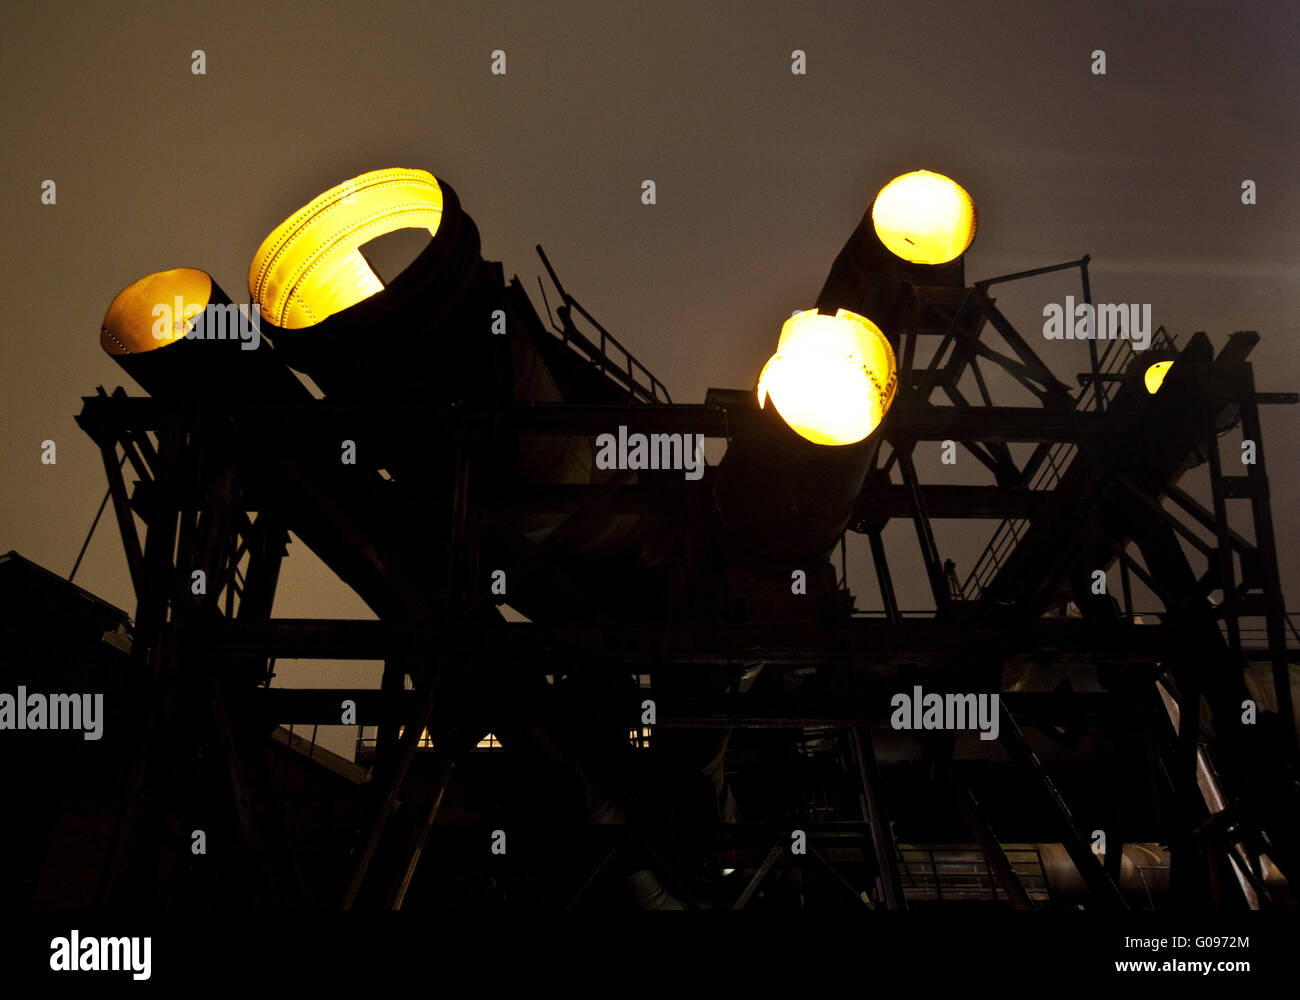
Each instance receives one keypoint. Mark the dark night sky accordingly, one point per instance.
(761, 176)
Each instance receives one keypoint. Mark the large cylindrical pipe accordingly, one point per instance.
(1144, 870)
(430, 333)
(915, 232)
(356, 337)
(789, 483)
(178, 334)
(783, 497)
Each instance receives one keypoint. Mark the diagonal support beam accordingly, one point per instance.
(1184, 532)
(1204, 517)
(994, 855)
(997, 457)
(772, 857)
(398, 895)
(1011, 335)
(1106, 892)
(882, 837)
(125, 519)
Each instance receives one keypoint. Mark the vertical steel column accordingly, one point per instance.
(151, 652)
(1223, 551)
(1266, 546)
(1098, 392)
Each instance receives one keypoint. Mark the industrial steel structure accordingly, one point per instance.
(693, 713)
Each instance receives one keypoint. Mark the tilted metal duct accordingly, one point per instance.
(338, 322)
(311, 266)
(177, 333)
(868, 276)
(783, 497)
(788, 485)
(430, 333)
(792, 475)
(832, 377)
(785, 492)
(794, 470)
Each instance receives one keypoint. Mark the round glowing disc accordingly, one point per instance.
(832, 377)
(924, 218)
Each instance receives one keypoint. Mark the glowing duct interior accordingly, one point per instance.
(832, 378)
(155, 311)
(1155, 376)
(924, 217)
(311, 267)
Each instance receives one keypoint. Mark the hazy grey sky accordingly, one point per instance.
(761, 175)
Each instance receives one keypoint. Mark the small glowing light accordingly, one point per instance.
(924, 217)
(155, 311)
(425, 741)
(832, 377)
(311, 267)
(1155, 376)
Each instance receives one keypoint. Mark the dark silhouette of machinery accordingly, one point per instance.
(692, 714)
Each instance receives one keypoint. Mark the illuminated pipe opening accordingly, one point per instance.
(179, 336)
(311, 266)
(924, 218)
(832, 378)
(147, 329)
(144, 316)
(330, 315)
(1155, 374)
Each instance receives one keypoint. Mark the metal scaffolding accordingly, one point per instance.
(218, 491)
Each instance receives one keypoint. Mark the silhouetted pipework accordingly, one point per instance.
(696, 715)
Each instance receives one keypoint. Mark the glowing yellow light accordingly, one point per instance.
(1155, 375)
(832, 377)
(924, 217)
(154, 311)
(310, 266)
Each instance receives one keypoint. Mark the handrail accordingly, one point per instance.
(623, 372)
